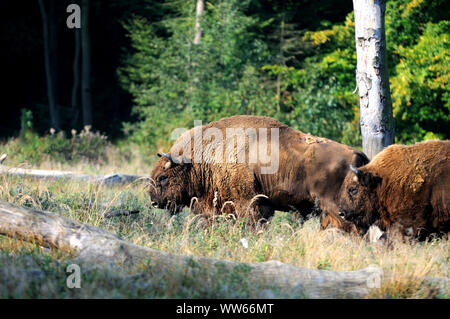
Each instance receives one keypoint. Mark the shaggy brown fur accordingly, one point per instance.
(403, 186)
(309, 168)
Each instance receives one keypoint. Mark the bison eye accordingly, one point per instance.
(352, 190)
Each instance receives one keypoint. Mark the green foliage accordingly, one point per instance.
(84, 146)
(418, 59)
(283, 222)
(304, 78)
(317, 96)
(324, 264)
(26, 120)
(174, 81)
(420, 93)
(313, 101)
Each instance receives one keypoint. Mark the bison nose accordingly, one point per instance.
(342, 214)
(154, 204)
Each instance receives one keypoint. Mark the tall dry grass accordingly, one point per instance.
(284, 238)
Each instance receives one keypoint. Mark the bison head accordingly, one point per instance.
(358, 198)
(169, 184)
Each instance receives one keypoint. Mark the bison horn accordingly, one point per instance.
(165, 155)
(355, 170)
(175, 161)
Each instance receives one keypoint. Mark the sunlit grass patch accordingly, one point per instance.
(284, 238)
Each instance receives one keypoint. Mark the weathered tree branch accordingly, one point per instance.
(108, 180)
(96, 246)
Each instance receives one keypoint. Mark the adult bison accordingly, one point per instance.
(252, 165)
(403, 188)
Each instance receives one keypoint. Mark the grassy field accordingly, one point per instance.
(30, 271)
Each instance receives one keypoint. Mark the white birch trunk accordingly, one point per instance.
(198, 14)
(377, 124)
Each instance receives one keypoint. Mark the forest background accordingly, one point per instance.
(292, 60)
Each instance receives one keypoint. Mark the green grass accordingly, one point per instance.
(30, 271)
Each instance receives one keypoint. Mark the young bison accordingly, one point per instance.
(406, 188)
(273, 167)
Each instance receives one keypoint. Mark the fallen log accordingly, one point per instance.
(107, 180)
(95, 246)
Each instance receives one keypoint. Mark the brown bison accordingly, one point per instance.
(403, 188)
(251, 166)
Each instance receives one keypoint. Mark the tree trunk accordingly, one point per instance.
(198, 14)
(76, 76)
(86, 98)
(50, 58)
(377, 123)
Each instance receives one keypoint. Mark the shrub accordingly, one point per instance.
(84, 146)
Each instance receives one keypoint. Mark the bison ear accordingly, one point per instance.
(169, 163)
(369, 180)
(366, 179)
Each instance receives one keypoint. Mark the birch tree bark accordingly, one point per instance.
(198, 15)
(372, 79)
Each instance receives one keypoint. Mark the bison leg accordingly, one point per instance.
(199, 207)
(265, 211)
(306, 209)
(261, 207)
(329, 219)
(258, 210)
